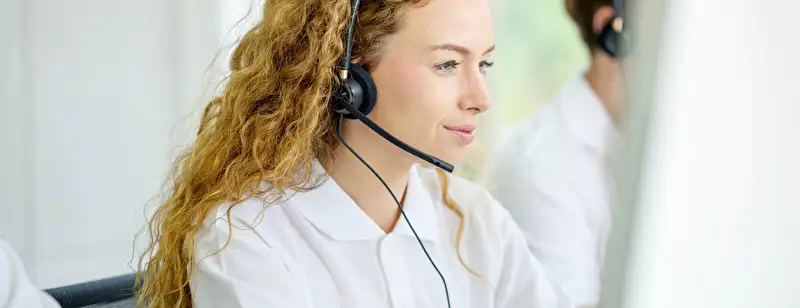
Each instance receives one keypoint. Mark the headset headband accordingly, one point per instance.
(349, 41)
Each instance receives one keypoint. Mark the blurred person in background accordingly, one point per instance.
(554, 174)
(270, 208)
(16, 289)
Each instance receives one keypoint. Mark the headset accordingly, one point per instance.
(612, 39)
(354, 99)
(357, 95)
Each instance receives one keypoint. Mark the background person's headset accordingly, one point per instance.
(612, 38)
(354, 99)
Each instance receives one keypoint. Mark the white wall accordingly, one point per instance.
(95, 96)
(717, 215)
(12, 125)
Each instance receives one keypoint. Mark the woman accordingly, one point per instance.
(269, 209)
(556, 177)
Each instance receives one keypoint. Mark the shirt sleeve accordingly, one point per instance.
(553, 219)
(523, 281)
(16, 289)
(247, 273)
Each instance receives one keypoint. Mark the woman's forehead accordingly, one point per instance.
(463, 22)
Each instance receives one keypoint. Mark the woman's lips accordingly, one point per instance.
(465, 132)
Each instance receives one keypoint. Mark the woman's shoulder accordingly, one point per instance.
(474, 201)
(251, 209)
(486, 227)
(252, 216)
(241, 213)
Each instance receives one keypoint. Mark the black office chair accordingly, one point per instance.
(114, 292)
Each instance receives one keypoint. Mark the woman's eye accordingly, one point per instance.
(447, 66)
(484, 65)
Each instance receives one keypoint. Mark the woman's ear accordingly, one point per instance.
(601, 17)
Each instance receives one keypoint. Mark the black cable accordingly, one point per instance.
(402, 212)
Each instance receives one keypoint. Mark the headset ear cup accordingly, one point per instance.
(608, 40)
(365, 94)
(613, 39)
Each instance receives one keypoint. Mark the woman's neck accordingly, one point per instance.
(604, 77)
(358, 182)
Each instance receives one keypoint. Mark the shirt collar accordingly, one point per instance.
(584, 113)
(335, 214)
(420, 210)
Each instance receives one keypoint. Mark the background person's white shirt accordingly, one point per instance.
(16, 289)
(319, 249)
(554, 179)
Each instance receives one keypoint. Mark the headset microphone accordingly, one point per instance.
(400, 144)
(354, 99)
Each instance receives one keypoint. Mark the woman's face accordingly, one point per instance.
(430, 77)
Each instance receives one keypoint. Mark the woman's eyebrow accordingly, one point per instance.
(458, 48)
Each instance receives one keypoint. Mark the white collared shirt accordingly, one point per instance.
(553, 176)
(319, 249)
(16, 290)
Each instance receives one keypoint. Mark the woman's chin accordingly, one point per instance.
(452, 155)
